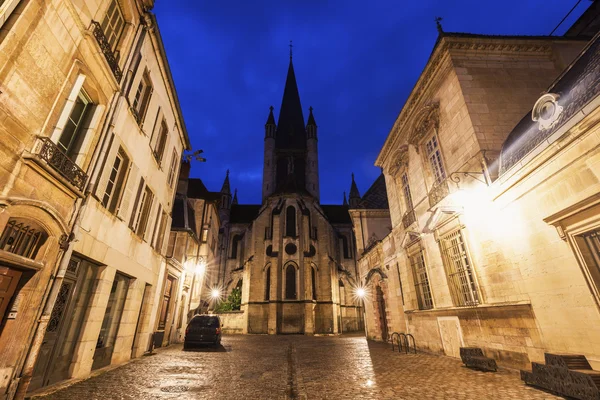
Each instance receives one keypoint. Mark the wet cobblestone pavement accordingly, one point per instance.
(296, 367)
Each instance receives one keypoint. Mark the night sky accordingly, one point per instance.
(355, 62)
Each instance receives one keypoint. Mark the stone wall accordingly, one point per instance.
(232, 322)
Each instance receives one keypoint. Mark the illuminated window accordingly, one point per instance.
(434, 156)
(459, 269)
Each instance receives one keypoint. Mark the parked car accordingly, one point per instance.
(203, 329)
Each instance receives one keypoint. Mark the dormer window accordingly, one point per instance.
(113, 24)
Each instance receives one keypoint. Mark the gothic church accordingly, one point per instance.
(294, 258)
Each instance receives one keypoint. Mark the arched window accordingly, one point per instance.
(268, 284)
(22, 237)
(290, 282)
(313, 274)
(234, 245)
(290, 221)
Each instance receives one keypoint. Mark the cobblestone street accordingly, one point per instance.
(296, 367)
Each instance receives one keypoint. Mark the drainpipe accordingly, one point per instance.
(56, 280)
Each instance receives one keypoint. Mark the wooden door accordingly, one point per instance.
(382, 314)
(9, 279)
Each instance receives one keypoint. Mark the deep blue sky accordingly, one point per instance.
(355, 61)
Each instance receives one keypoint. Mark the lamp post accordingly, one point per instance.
(197, 268)
(361, 293)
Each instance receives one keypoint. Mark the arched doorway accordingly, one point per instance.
(381, 311)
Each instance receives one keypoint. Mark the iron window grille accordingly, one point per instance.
(107, 50)
(22, 239)
(417, 263)
(459, 270)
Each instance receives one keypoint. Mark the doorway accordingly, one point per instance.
(9, 280)
(382, 313)
(111, 321)
(64, 327)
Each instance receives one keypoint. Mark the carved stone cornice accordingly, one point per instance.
(399, 161)
(440, 54)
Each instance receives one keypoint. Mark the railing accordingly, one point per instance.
(52, 154)
(404, 342)
(107, 51)
(438, 192)
(409, 218)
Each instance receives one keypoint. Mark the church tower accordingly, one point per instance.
(291, 162)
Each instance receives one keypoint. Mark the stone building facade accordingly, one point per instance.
(293, 258)
(474, 194)
(92, 138)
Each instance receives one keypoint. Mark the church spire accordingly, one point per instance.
(235, 199)
(291, 132)
(226, 189)
(354, 194)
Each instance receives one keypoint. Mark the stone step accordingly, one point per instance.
(576, 361)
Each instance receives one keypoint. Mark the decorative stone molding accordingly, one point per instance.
(441, 54)
(399, 161)
(428, 119)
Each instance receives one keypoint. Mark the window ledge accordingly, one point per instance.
(454, 308)
(12, 259)
(46, 170)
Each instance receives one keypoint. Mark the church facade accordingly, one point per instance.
(293, 258)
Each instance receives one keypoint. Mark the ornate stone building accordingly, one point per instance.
(293, 257)
(92, 139)
(494, 221)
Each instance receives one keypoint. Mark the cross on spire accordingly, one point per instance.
(438, 22)
(291, 46)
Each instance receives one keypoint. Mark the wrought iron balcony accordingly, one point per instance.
(438, 192)
(59, 161)
(409, 218)
(107, 51)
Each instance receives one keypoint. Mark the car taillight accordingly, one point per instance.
(187, 330)
(218, 331)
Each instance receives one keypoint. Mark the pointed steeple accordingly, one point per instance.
(311, 126)
(311, 118)
(291, 132)
(345, 203)
(226, 189)
(354, 194)
(235, 200)
(270, 126)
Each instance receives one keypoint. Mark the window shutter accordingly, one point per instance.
(130, 188)
(151, 221)
(156, 129)
(146, 102)
(108, 165)
(161, 246)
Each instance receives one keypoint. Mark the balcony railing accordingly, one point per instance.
(107, 51)
(53, 155)
(438, 192)
(409, 218)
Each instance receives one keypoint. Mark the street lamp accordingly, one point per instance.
(215, 294)
(360, 292)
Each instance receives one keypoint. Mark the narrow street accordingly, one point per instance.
(296, 367)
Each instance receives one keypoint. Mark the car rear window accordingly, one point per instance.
(211, 322)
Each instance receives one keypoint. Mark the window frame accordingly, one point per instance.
(415, 254)
(118, 186)
(435, 159)
(108, 24)
(161, 141)
(142, 97)
(459, 280)
(76, 141)
(286, 289)
(172, 168)
(288, 222)
(143, 209)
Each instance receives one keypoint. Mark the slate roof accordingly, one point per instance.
(197, 190)
(576, 87)
(243, 213)
(375, 197)
(336, 214)
(184, 217)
